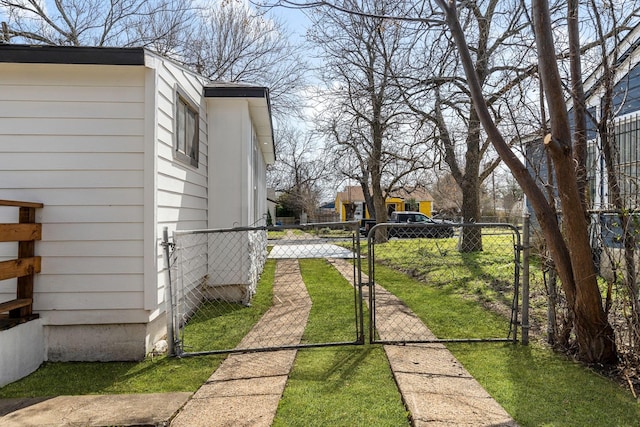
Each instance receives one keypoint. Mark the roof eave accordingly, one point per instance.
(259, 109)
(45, 54)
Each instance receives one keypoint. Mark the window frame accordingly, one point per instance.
(186, 149)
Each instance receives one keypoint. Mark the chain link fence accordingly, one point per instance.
(481, 261)
(218, 302)
(616, 244)
(243, 289)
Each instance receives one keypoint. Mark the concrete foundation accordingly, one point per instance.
(96, 343)
(21, 351)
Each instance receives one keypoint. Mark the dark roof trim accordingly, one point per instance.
(42, 54)
(236, 92)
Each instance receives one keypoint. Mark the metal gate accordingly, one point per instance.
(262, 288)
(465, 259)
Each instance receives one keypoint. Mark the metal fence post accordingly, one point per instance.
(169, 293)
(525, 277)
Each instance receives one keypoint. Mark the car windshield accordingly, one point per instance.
(422, 218)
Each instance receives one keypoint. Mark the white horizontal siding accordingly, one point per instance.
(71, 161)
(173, 214)
(181, 188)
(31, 179)
(71, 144)
(111, 248)
(73, 109)
(102, 232)
(175, 185)
(98, 93)
(80, 196)
(115, 77)
(90, 265)
(90, 127)
(72, 137)
(184, 200)
(77, 283)
(77, 214)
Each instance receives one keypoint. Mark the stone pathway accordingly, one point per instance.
(246, 388)
(435, 387)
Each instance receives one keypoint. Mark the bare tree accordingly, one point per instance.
(569, 247)
(237, 44)
(436, 89)
(447, 196)
(225, 41)
(571, 250)
(299, 173)
(369, 131)
(96, 23)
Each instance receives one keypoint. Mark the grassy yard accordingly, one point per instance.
(536, 386)
(353, 385)
(337, 386)
(152, 375)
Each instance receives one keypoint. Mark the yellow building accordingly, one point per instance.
(350, 203)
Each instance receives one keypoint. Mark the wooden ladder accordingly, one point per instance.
(25, 266)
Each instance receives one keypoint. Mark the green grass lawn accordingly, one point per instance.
(536, 386)
(540, 388)
(221, 325)
(337, 386)
(152, 375)
(486, 275)
(353, 385)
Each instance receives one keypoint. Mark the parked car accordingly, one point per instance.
(417, 224)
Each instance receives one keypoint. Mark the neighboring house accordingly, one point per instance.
(119, 143)
(605, 224)
(626, 127)
(350, 204)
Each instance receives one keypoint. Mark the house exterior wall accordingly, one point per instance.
(229, 182)
(72, 137)
(180, 189)
(96, 145)
(74, 140)
(237, 198)
(351, 200)
(425, 207)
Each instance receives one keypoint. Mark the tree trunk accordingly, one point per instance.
(594, 335)
(471, 237)
(579, 107)
(368, 200)
(471, 240)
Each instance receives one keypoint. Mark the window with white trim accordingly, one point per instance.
(187, 147)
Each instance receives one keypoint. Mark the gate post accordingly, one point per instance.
(169, 294)
(525, 277)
